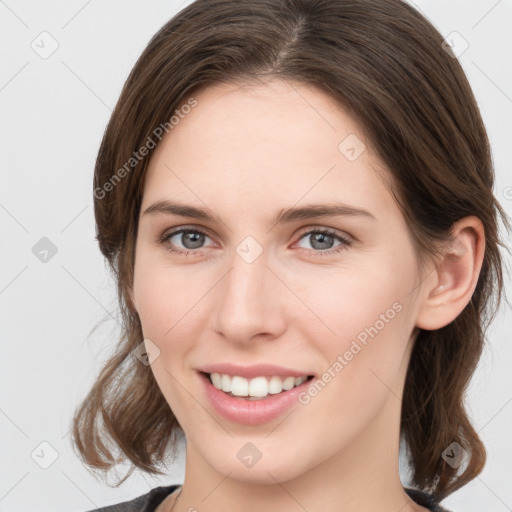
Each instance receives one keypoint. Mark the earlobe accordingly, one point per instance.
(451, 285)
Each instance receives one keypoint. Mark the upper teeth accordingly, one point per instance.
(259, 386)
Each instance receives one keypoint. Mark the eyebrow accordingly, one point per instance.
(285, 215)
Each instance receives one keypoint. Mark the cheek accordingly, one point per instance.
(166, 298)
(355, 302)
(369, 318)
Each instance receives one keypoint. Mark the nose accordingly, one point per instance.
(249, 302)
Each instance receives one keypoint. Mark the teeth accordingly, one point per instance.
(256, 387)
(225, 383)
(288, 383)
(216, 380)
(275, 385)
(239, 386)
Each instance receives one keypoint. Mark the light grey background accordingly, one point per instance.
(53, 114)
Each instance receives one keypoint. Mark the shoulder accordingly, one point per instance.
(425, 500)
(145, 503)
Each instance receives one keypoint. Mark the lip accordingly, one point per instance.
(251, 412)
(257, 370)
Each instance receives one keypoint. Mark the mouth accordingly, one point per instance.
(232, 396)
(256, 388)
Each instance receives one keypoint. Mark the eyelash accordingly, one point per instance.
(346, 242)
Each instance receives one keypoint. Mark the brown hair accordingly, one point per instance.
(385, 63)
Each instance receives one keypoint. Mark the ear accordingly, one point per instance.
(449, 288)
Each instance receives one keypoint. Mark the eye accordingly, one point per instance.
(322, 239)
(191, 239)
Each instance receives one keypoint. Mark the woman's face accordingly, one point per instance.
(334, 296)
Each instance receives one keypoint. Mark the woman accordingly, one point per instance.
(296, 200)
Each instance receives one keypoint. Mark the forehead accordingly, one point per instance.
(267, 143)
(270, 114)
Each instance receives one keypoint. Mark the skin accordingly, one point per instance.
(245, 153)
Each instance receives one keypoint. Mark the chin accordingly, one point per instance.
(274, 466)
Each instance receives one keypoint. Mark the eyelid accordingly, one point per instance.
(174, 231)
(314, 228)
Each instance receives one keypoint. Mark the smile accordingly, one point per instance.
(258, 387)
(246, 409)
